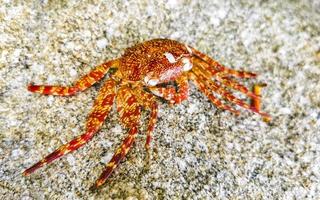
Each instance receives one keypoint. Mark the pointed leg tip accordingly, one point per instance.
(29, 171)
(267, 118)
(147, 148)
(25, 173)
(96, 185)
(236, 112)
(257, 88)
(263, 85)
(254, 75)
(32, 87)
(148, 141)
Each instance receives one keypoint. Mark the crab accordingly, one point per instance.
(149, 71)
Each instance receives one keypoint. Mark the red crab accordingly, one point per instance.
(156, 68)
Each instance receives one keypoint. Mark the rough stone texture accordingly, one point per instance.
(199, 152)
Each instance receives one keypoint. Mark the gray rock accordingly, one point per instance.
(198, 152)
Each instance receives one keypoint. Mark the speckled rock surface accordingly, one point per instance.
(199, 152)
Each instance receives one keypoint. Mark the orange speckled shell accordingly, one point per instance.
(148, 56)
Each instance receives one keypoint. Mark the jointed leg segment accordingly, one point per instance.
(101, 108)
(224, 79)
(129, 108)
(83, 83)
(120, 153)
(151, 125)
(148, 101)
(215, 87)
(129, 111)
(203, 88)
(216, 67)
(256, 102)
(170, 94)
(210, 76)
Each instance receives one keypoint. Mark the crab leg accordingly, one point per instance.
(120, 153)
(257, 91)
(148, 101)
(170, 94)
(232, 84)
(228, 95)
(164, 92)
(256, 102)
(129, 110)
(83, 83)
(227, 81)
(101, 108)
(202, 87)
(215, 67)
(151, 125)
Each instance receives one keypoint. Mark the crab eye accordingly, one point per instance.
(170, 57)
(151, 82)
(186, 64)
